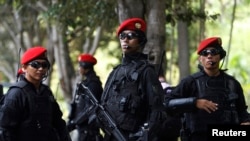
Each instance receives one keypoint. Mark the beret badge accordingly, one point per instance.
(132, 24)
(138, 25)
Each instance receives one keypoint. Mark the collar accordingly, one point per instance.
(127, 58)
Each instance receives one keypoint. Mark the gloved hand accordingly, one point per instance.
(71, 126)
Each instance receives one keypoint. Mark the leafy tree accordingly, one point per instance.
(68, 28)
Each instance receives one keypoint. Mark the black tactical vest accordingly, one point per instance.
(219, 90)
(37, 124)
(125, 99)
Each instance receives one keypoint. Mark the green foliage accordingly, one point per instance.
(82, 15)
(187, 11)
(79, 19)
(238, 70)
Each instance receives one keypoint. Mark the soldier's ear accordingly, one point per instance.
(199, 59)
(24, 68)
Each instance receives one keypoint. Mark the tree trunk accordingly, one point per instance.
(156, 32)
(64, 65)
(130, 8)
(183, 49)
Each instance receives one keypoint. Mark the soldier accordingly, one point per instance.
(210, 96)
(172, 124)
(86, 131)
(133, 95)
(30, 111)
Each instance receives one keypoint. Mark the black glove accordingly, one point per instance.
(71, 126)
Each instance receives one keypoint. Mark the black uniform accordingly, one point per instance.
(172, 125)
(133, 96)
(31, 115)
(86, 131)
(223, 89)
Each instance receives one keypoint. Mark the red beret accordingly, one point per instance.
(87, 58)
(209, 42)
(33, 53)
(132, 24)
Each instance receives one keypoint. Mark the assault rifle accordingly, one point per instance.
(102, 115)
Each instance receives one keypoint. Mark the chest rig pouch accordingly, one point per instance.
(125, 99)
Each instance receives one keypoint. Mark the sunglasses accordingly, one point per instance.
(212, 52)
(129, 36)
(37, 65)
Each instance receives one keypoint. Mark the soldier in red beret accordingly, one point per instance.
(132, 35)
(30, 111)
(208, 97)
(133, 94)
(86, 131)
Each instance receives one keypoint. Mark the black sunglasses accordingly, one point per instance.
(212, 52)
(37, 65)
(129, 36)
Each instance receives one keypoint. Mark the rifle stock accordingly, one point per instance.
(102, 115)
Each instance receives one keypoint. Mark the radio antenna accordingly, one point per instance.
(18, 64)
